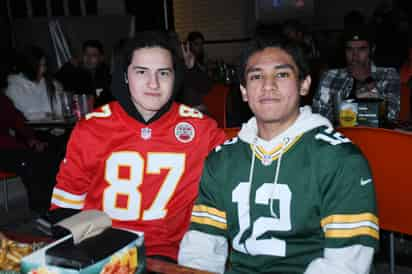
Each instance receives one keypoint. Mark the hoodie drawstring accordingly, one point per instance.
(275, 182)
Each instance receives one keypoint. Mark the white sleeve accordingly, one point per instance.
(15, 93)
(355, 259)
(203, 251)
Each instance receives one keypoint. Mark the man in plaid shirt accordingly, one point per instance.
(360, 79)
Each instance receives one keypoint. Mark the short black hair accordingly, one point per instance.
(28, 61)
(260, 43)
(192, 36)
(93, 44)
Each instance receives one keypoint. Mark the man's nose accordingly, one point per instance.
(355, 55)
(153, 81)
(269, 83)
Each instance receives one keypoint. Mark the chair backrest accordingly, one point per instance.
(389, 154)
(6, 174)
(215, 102)
(231, 131)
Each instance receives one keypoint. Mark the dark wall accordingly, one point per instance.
(150, 15)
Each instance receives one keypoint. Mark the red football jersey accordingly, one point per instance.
(145, 177)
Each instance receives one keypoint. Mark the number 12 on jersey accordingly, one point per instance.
(129, 187)
(264, 194)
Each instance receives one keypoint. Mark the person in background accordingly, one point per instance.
(21, 151)
(196, 82)
(139, 158)
(289, 194)
(89, 76)
(360, 78)
(294, 30)
(31, 89)
(196, 42)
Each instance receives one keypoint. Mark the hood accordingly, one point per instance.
(305, 122)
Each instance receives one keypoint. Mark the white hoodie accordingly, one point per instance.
(305, 122)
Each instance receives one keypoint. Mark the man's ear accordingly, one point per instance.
(243, 92)
(305, 86)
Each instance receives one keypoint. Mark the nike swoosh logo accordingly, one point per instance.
(365, 182)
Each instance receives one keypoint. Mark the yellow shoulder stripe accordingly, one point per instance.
(349, 218)
(209, 210)
(208, 221)
(342, 233)
(65, 200)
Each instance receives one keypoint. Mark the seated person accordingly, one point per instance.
(26, 155)
(360, 78)
(89, 76)
(289, 194)
(196, 80)
(31, 89)
(139, 158)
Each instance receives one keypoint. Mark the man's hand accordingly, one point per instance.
(188, 55)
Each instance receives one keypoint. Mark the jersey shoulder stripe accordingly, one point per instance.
(65, 199)
(211, 216)
(350, 225)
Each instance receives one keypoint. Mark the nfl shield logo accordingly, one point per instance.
(184, 132)
(267, 160)
(146, 133)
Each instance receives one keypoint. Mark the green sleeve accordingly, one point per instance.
(348, 207)
(208, 214)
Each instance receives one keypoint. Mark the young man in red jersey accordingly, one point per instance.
(139, 159)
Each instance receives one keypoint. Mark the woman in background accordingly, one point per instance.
(30, 89)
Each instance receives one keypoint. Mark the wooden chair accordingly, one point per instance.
(389, 154)
(216, 101)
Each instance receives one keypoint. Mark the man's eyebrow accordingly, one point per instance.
(285, 66)
(146, 68)
(139, 67)
(252, 69)
(354, 47)
(281, 66)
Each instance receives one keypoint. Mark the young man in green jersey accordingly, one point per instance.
(289, 194)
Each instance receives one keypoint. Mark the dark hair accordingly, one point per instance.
(260, 43)
(93, 44)
(146, 39)
(149, 39)
(192, 36)
(28, 61)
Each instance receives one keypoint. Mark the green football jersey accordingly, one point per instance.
(324, 198)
